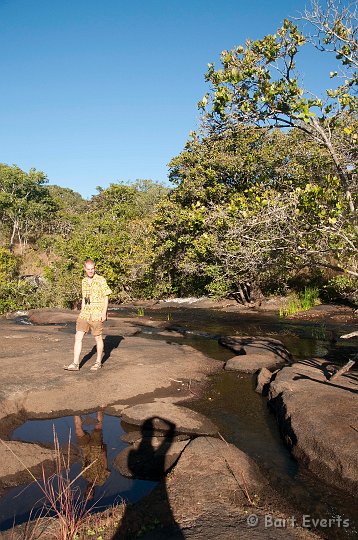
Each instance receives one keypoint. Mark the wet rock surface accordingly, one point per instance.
(318, 419)
(247, 345)
(206, 499)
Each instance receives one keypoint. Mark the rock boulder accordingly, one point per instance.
(318, 420)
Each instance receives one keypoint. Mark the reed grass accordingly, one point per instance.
(65, 514)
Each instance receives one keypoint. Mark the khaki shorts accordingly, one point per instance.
(96, 327)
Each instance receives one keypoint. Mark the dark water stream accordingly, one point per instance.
(230, 401)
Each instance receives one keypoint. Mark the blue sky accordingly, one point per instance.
(99, 91)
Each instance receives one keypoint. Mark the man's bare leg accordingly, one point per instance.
(78, 347)
(75, 366)
(99, 345)
(78, 426)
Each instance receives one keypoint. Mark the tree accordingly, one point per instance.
(24, 202)
(114, 230)
(132, 200)
(258, 85)
(69, 207)
(335, 30)
(254, 206)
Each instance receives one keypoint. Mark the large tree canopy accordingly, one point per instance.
(259, 84)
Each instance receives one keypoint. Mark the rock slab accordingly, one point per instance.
(209, 494)
(256, 345)
(263, 381)
(318, 420)
(254, 353)
(164, 416)
(250, 363)
(17, 456)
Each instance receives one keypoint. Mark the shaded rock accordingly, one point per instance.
(248, 345)
(232, 343)
(16, 456)
(164, 414)
(318, 420)
(150, 458)
(250, 363)
(240, 489)
(209, 494)
(263, 381)
(176, 329)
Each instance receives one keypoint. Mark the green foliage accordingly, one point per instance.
(14, 293)
(309, 297)
(9, 265)
(252, 205)
(113, 229)
(24, 203)
(342, 286)
(258, 84)
(17, 294)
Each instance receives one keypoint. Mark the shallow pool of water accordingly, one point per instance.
(17, 503)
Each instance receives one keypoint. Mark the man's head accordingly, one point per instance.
(90, 268)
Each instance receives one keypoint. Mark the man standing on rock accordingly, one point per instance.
(94, 307)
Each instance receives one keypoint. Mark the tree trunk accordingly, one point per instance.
(12, 239)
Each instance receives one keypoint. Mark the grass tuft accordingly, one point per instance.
(65, 514)
(302, 302)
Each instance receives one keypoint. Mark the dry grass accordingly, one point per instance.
(64, 514)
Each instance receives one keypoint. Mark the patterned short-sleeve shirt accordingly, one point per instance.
(95, 291)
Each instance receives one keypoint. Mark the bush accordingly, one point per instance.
(9, 265)
(342, 287)
(16, 295)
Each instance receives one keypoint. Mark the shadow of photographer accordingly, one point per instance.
(152, 516)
